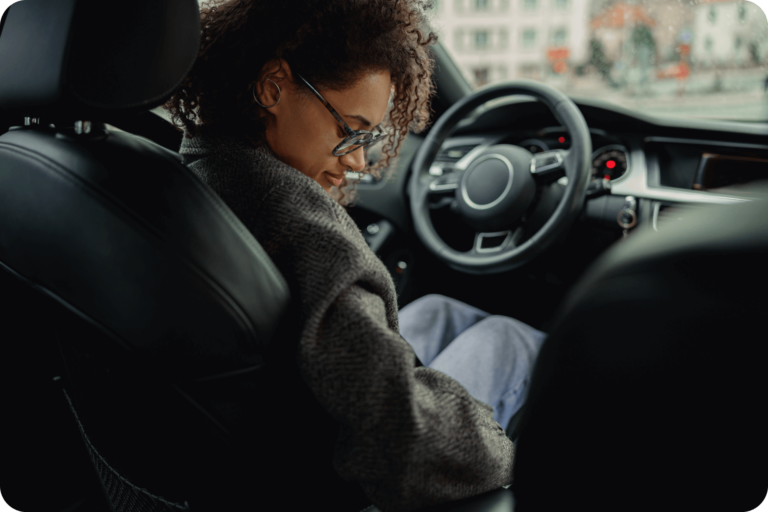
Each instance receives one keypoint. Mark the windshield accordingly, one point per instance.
(682, 58)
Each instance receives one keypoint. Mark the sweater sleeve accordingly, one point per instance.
(412, 437)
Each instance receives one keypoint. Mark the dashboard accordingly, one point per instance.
(662, 166)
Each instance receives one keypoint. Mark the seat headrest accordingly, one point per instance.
(94, 60)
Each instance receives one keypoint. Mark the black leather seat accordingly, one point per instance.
(131, 295)
(650, 392)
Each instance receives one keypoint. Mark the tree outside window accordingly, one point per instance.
(708, 44)
(481, 39)
(458, 5)
(712, 14)
(561, 4)
(737, 43)
(529, 38)
(530, 5)
(481, 5)
(742, 13)
(481, 77)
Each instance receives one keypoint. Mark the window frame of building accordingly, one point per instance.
(458, 38)
(503, 5)
(523, 39)
(555, 32)
(530, 5)
(561, 5)
(486, 39)
(481, 5)
(503, 40)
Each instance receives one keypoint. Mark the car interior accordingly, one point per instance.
(131, 294)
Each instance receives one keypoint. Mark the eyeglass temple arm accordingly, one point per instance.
(327, 105)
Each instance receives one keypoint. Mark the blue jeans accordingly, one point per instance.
(491, 356)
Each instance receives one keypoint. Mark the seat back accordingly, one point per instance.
(124, 276)
(650, 391)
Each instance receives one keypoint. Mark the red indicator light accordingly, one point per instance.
(561, 140)
(606, 177)
(611, 164)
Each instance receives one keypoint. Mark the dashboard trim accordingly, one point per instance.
(635, 183)
(706, 142)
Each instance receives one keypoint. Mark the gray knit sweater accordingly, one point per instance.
(410, 436)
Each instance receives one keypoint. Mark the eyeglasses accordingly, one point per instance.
(355, 139)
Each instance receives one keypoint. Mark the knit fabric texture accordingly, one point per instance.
(410, 436)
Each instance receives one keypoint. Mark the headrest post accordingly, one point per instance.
(28, 121)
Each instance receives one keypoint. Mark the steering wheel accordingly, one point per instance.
(497, 190)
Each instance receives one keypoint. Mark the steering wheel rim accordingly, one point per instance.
(576, 163)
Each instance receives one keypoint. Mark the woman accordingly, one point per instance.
(287, 97)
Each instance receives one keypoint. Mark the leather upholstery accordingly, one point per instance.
(142, 248)
(650, 390)
(94, 60)
(152, 292)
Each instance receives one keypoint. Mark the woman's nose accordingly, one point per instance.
(354, 160)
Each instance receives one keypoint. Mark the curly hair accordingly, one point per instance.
(332, 42)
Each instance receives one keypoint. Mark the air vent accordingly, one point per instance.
(454, 153)
(665, 214)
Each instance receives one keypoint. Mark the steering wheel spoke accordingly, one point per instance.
(490, 243)
(549, 166)
(445, 184)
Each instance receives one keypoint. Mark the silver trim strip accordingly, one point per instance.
(446, 186)
(635, 183)
(656, 208)
(558, 163)
(707, 142)
(479, 241)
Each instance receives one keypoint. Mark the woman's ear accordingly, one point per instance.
(279, 71)
(269, 93)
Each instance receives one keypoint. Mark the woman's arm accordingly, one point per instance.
(412, 437)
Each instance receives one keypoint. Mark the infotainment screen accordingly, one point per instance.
(716, 171)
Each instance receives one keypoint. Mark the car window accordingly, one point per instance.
(684, 58)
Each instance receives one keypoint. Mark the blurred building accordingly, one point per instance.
(615, 25)
(728, 33)
(494, 40)
(661, 25)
